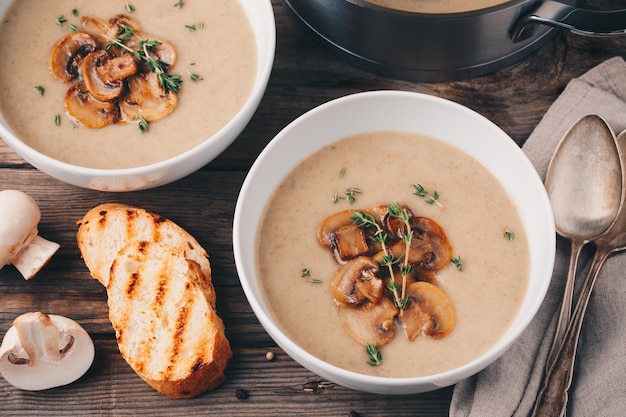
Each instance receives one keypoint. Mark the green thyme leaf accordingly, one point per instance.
(375, 357)
(457, 262)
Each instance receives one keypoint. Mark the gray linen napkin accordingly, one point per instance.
(510, 385)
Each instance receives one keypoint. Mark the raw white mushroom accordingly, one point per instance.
(44, 351)
(20, 244)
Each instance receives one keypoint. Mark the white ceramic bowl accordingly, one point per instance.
(261, 18)
(413, 112)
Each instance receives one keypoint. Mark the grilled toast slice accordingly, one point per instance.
(106, 229)
(166, 328)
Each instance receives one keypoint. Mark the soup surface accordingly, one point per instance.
(221, 51)
(437, 6)
(475, 212)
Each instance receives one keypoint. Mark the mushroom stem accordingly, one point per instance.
(39, 338)
(34, 256)
(19, 243)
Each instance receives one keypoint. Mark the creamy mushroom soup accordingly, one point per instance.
(479, 218)
(437, 6)
(212, 39)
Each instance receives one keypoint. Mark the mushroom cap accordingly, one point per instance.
(428, 311)
(104, 74)
(67, 54)
(356, 281)
(100, 29)
(42, 351)
(428, 230)
(84, 108)
(146, 98)
(330, 224)
(370, 323)
(20, 216)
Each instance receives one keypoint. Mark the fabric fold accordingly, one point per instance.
(510, 385)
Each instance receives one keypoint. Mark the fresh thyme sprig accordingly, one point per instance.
(366, 220)
(430, 198)
(169, 82)
(397, 211)
(375, 357)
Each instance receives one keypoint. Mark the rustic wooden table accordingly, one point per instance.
(304, 76)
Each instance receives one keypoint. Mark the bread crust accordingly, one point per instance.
(160, 296)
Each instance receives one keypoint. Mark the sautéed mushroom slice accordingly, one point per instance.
(356, 281)
(370, 323)
(67, 54)
(146, 98)
(427, 230)
(104, 74)
(428, 311)
(85, 109)
(339, 233)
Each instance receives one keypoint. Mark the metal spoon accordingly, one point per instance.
(552, 400)
(584, 186)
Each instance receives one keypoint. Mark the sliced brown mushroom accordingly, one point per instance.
(428, 230)
(102, 30)
(68, 53)
(356, 281)
(146, 98)
(340, 234)
(120, 21)
(370, 323)
(85, 109)
(429, 311)
(104, 74)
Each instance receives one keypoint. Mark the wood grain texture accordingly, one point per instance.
(304, 76)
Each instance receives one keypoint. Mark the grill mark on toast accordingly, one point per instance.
(182, 322)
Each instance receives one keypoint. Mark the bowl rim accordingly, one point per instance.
(220, 140)
(405, 385)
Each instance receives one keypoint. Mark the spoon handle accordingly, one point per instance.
(552, 400)
(566, 304)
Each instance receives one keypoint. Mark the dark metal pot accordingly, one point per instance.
(443, 47)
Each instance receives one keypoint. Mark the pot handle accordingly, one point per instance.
(579, 21)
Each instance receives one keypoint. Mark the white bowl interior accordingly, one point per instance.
(261, 18)
(413, 112)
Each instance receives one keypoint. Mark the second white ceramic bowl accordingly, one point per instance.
(412, 112)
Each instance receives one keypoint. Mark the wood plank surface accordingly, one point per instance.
(304, 76)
